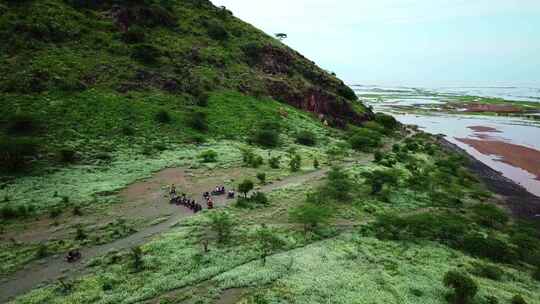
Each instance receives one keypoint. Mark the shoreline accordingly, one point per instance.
(522, 203)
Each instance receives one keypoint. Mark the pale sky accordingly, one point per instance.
(408, 42)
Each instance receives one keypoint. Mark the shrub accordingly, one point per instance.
(365, 140)
(216, 31)
(274, 162)
(77, 211)
(201, 99)
(338, 185)
(137, 258)
(163, 117)
(378, 156)
(389, 122)
(259, 198)
(267, 242)
(146, 53)
(208, 156)
(316, 163)
(55, 212)
(464, 287)
(310, 215)
(245, 186)
(252, 50)
(198, 121)
(8, 212)
(518, 299)
(536, 273)
(42, 251)
(222, 224)
(346, 92)
(488, 247)
(527, 245)
(487, 271)
(80, 234)
(67, 155)
(378, 178)
(446, 228)
(267, 134)
(22, 124)
(306, 138)
(490, 215)
(261, 176)
(251, 159)
(15, 151)
(134, 34)
(295, 163)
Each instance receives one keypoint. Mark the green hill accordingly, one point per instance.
(75, 73)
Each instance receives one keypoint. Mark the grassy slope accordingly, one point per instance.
(351, 260)
(67, 67)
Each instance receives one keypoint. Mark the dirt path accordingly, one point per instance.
(53, 268)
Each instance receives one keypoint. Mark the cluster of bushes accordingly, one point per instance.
(208, 156)
(15, 152)
(364, 139)
(306, 138)
(267, 134)
(216, 31)
(146, 53)
(446, 228)
(251, 159)
(8, 212)
(198, 121)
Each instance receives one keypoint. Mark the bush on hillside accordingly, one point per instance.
(365, 140)
(306, 138)
(252, 50)
(464, 287)
(446, 228)
(389, 122)
(490, 215)
(134, 34)
(346, 92)
(15, 151)
(488, 247)
(338, 185)
(146, 53)
(310, 215)
(518, 299)
(22, 124)
(163, 117)
(208, 156)
(216, 31)
(198, 121)
(377, 179)
(267, 134)
(488, 271)
(251, 159)
(274, 162)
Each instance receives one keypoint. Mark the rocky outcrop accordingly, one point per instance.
(336, 110)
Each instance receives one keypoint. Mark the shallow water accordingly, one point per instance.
(516, 131)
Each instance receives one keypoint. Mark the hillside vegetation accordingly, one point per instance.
(87, 77)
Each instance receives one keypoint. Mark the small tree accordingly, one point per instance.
(267, 242)
(306, 138)
(136, 257)
(295, 163)
(163, 117)
(316, 163)
(208, 156)
(338, 185)
(245, 186)
(274, 162)
(464, 287)
(221, 223)
(261, 176)
(281, 36)
(310, 215)
(536, 273)
(378, 178)
(518, 299)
